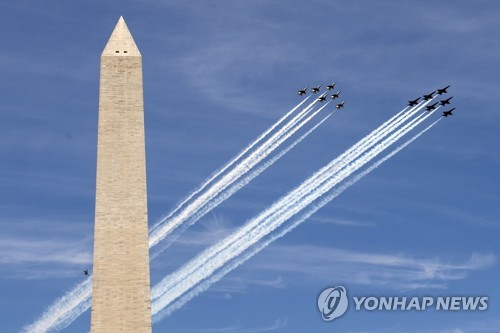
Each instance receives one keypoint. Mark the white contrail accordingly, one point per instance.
(210, 201)
(77, 301)
(185, 278)
(261, 245)
(368, 141)
(62, 314)
(244, 166)
(337, 168)
(229, 164)
(238, 185)
(332, 167)
(64, 310)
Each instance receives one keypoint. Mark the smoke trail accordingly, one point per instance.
(222, 195)
(355, 151)
(229, 164)
(295, 195)
(58, 315)
(64, 315)
(251, 160)
(237, 186)
(78, 300)
(203, 286)
(185, 278)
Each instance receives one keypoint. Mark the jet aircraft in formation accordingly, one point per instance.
(414, 102)
(322, 98)
(448, 113)
(431, 107)
(302, 91)
(340, 105)
(316, 89)
(445, 101)
(437, 92)
(443, 90)
(336, 95)
(428, 96)
(331, 86)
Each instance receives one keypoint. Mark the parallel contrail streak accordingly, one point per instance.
(225, 194)
(261, 245)
(229, 164)
(225, 190)
(364, 144)
(243, 182)
(84, 292)
(337, 164)
(167, 227)
(77, 301)
(58, 313)
(206, 268)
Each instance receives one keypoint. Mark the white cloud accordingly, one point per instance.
(240, 328)
(395, 271)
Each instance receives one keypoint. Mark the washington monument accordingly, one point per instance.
(121, 287)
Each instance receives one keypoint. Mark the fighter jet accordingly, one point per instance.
(322, 98)
(429, 96)
(340, 105)
(445, 101)
(86, 272)
(443, 90)
(448, 113)
(316, 89)
(336, 95)
(414, 102)
(431, 107)
(331, 86)
(302, 91)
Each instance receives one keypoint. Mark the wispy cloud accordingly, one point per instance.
(484, 326)
(343, 221)
(21, 251)
(393, 271)
(59, 250)
(244, 283)
(240, 328)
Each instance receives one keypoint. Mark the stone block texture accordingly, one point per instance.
(121, 282)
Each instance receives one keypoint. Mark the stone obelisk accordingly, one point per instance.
(121, 286)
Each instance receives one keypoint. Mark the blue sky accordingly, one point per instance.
(216, 75)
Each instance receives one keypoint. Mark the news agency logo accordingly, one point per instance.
(332, 303)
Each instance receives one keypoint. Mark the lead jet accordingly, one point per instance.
(431, 107)
(302, 91)
(429, 96)
(443, 90)
(336, 95)
(316, 89)
(448, 113)
(322, 98)
(331, 86)
(445, 101)
(86, 272)
(340, 105)
(414, 102)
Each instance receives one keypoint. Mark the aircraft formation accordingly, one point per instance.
(425, 97)
(430, 96)
(324, 96)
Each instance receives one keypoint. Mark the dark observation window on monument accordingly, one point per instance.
(117, 51)
(124, 51)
